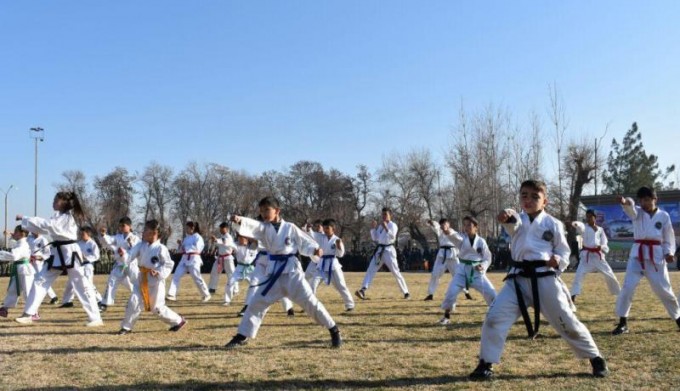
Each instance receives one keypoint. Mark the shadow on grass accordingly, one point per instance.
(319, 384)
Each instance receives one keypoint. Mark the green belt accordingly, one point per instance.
(249, 267)
(469, 279)
(14, 275)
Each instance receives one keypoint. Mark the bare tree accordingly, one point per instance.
(157, 195)
(76, 181)
(558, 119)
(115, 195)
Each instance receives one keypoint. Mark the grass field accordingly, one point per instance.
(389, 343)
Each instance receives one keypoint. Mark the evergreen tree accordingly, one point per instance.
(629, 167)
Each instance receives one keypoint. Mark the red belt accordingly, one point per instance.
(593, 250)
(220, 262)
(650, 244)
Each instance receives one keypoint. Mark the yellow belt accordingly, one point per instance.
(144, 287)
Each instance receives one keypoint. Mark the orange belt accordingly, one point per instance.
(144, 287)
(650, 244)
(593, 250)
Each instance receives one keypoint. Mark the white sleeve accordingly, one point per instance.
(60, 227)
(250, 228)
(668, 243)
(603, 240)
(339, 248)
(6, 256)
(164, 267)
(455, 237)
(579, 227)
(306, 244)
(561, 248)
(513, 226)
(630, 209)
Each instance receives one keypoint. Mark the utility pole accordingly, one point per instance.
(37, 134)
(6, 193)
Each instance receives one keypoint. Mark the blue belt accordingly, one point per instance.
(330, 267)
(283, 260)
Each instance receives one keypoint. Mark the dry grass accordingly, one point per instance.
(389, 343)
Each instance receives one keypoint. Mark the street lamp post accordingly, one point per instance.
(6, 193)
(37, 134)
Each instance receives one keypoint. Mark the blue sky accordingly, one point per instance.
(259, 85)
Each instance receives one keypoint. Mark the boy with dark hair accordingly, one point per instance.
(329, 269)
(385, 236)
(91, 254)
(224, 259)
(283, 240)
(155, 265)
(21, 272)
(592, 256)
(447, 257)
(540, 253)
(653, 249)
(122, 272)
(475, 259)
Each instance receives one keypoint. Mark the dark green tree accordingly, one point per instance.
(629, 167)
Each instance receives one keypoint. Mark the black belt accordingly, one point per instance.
(379, 251)
(445, 248)
(528, 270)
(57, 244)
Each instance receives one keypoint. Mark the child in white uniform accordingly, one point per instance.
(260, 274)
(21, 271)
(191, 262)
(66, 255)
(90, 251)
(540, 253)
(224, 260)
(474, 258)
(329, 269)
(653, 249)
(148, 293)
(40, 251)
(385, 235)
(592, 256)
(122, 272)
(245, 266)
(447, 258)
(285, 278)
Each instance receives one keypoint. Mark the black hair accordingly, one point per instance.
(21, 229)
(318, 222)
(444, 220)
(152, 225)
(471, 219)
(270, 202)
(536, 185)
(387, 209)
(646, 191)
(87, 229)
(224, 224)
(329, 223)
(125, 220)
(591, 212)
(72, 204)
(195, 226)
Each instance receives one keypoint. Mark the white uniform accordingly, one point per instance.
(467, 276)
(245, 258)
(40, 251)
(329, 269)
(260, 274)
(123, 272)
(284, 273)
(312, 270)
(65, 255)
(533, 242)
(592, 258)
(654, 239)
(191, 262)
(224, 260)
(447, 259)
(385, 253)
(90, 252)
(154, 256)
(21, 273)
